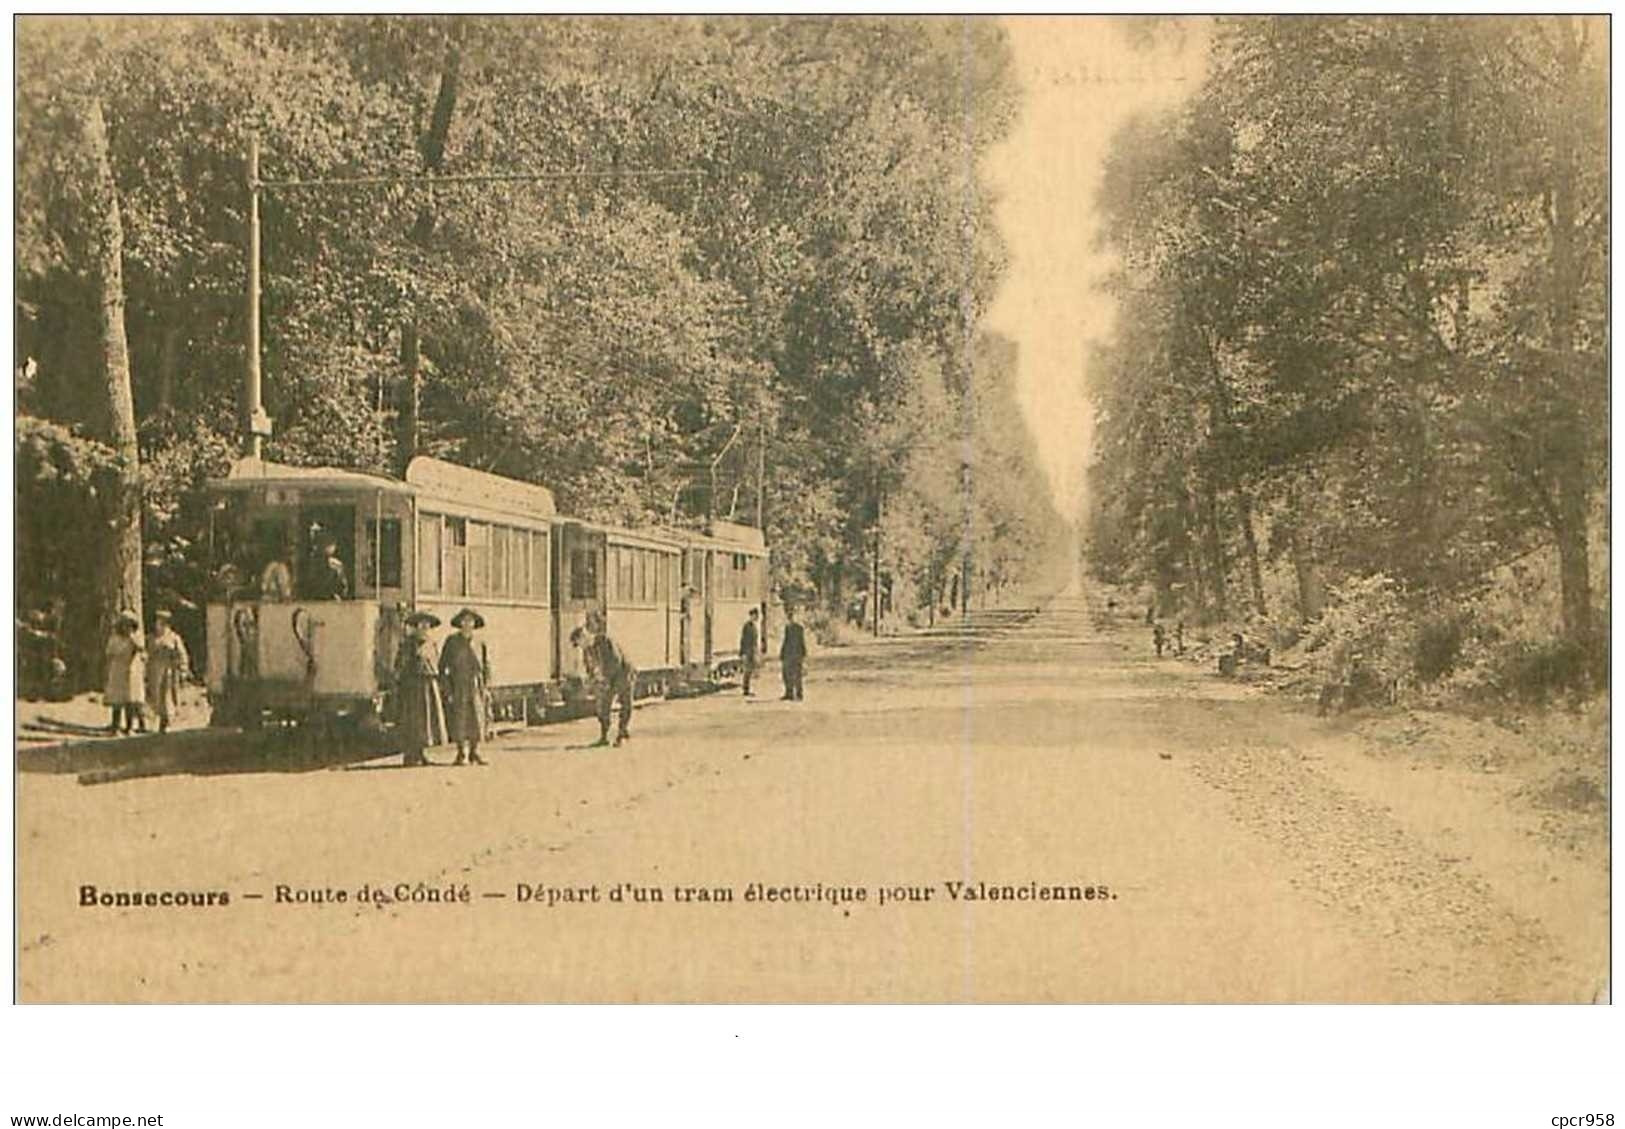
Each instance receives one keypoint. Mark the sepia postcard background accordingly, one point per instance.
(1182, 440)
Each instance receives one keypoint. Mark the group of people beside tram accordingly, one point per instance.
(443, 694)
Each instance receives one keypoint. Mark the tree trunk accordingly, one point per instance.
(433, 143)
(1311, 588)
(168, 359)
(121, 570)
(1244, 509)
(433, 147)
(1215, 550)
(1572, 471)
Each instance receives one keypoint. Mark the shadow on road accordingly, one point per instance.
(201, 752)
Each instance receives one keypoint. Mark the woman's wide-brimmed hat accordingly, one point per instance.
(127, 618)
(422, 618)
(162, 613)
(468, 615)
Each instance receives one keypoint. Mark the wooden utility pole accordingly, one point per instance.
(874, 588)
(761, 510)
(256, 424)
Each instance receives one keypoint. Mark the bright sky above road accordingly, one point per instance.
(1082, 81)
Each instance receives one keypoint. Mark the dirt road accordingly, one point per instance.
(1137, 831)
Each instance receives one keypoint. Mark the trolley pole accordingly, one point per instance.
(256, 423)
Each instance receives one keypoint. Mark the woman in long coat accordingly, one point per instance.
(167, 667)
(465, 669)
(126, 674)
(420, 716)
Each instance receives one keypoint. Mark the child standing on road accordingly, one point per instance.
(168, 666)
(126, 674)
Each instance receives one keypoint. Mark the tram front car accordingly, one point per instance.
(303, 616)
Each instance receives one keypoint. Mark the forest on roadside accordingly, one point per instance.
(1357, 398)
(765, 244)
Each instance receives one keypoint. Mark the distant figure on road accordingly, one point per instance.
(749, 649)
(126, 674)
(613, 675)
(1159, 638)
(168, 666)
(465, 670)
(1179, 638)
(420, 714)
(792, 656)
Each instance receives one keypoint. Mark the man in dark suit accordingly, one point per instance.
(749, 649)
(792, 656)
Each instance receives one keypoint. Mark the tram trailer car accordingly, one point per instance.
(730, 567)
(444, 538)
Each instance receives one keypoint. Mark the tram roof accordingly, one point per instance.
(723, 535)
(251, 473)
(441, 479)
(733, 533)
(675, 537)
(425, 476)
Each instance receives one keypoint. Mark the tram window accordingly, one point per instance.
(455, 555)
(479, 558)
(583, 574)
(538, 565)
(499, 560)
(384, 566)
(519, 562)
(429, 573)
(640, 558)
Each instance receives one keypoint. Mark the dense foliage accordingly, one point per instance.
(1364, 326)
(766, 233)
